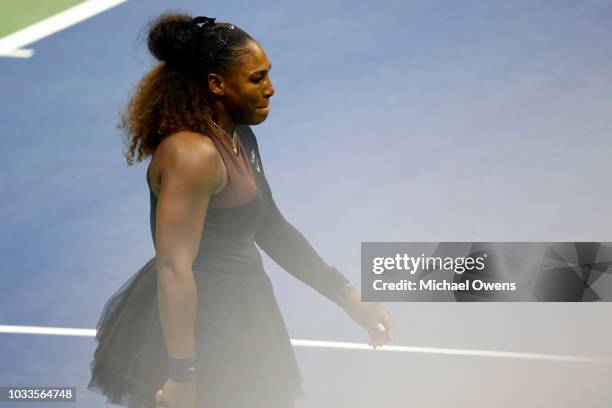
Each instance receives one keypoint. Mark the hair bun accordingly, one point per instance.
(171, 39)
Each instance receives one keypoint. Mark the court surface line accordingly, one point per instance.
(11, 45)
(62, 331)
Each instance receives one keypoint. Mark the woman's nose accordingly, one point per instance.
(269, 91)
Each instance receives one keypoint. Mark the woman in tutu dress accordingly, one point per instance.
(199, 325)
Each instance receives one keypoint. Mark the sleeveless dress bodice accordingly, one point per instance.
(227, 245)
(235, 212)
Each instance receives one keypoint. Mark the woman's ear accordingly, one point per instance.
(216, 84)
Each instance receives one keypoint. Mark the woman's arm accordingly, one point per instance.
(191, 171)
(288, 247)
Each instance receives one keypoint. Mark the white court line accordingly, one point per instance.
(456, 352)
(10, 46)
(59, 331)
(344, 345)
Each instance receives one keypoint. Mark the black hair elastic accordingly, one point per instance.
(201, 21)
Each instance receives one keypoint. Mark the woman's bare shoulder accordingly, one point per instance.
(185, 143)
(191, 156)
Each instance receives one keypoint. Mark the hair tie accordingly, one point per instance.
(201, 21)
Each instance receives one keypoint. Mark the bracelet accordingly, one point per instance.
(182, 369)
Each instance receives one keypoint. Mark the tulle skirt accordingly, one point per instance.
(244, 356)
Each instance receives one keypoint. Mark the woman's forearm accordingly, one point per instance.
(177, 296)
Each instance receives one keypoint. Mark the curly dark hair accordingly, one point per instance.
(172, 96)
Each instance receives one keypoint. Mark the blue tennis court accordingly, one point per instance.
(392, 121)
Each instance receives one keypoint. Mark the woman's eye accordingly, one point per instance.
(256, 80)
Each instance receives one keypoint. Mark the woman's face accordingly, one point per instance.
(248, 88)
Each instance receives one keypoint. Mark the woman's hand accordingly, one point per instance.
(372, 316)
(176, 395)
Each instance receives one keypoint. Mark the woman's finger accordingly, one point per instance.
(389, 325)
(384, 333)
(159, 400)
(381, 337)
(371, 339)
(376, 338)
(384, 321)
